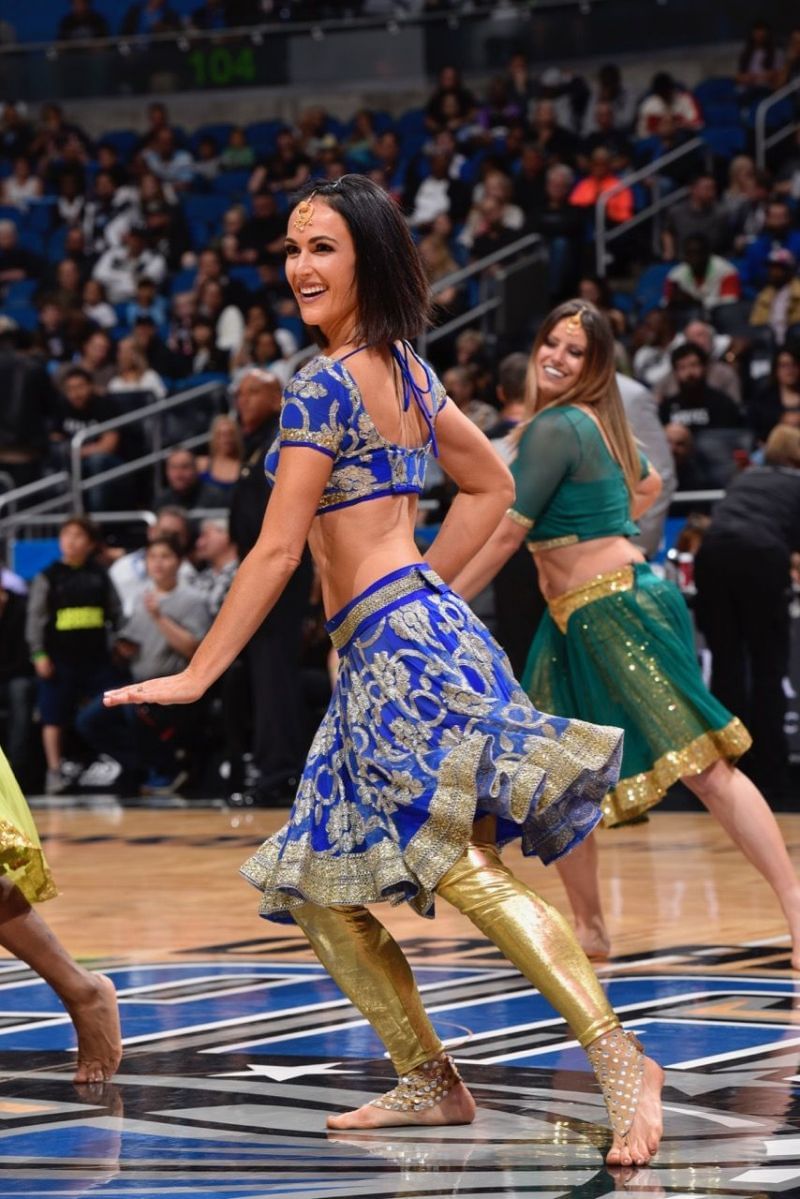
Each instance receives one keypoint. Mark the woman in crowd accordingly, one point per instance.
(223, 463)
(133, 373)
(616, 642)
(779, 395)
(430, 755)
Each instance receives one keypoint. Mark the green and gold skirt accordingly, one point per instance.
(21, 857)
(619, 650)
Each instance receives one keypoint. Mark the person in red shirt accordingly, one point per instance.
(599, 180)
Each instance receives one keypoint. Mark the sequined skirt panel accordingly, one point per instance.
(620, 649)
(21, 857)
(427, 730)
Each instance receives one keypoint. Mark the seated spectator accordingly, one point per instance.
(459, 383)
(472, 352)
(71, 199)
(652, 343)
(778, 233)
(21, 186)
(149, 16)
(700, 215)
(211, 267)
(358, 144)
(438, 263)
(561, 224)
(597, 291)
(72, 606)
(52, 332)
(147, 302)
(695, 403)
(285, 170)
(778, 396)
(226, 319)
(96, 359)
(129, 573)
(758, 69)
(17, 681)
(237, 154)
(791, 58)
(16, 133)
(667, 96)
(27, 400)
(554, 143)
(490, 234)
(15, 263)
(107, 213)
(169, 163)
(688, 469)
(720, 375)
(601, 179)
(738, 194)
(205, 356)
(267, 355)
(133, 373)
(496, 186)
(778, 304)
(206, 162)
(529, 180)
(439, 193)
(185, 489)
(96, 307)
(220, 562)
(160, 637)
(788, 178)
(81, 407)
(511, 378)
(450, 101)
(179, 337)
(157, 356)
(81, 22)
(157, 119)
(67, 287)
(120, 268)
(222, 465)
(702, 280)
(568, 92)
(612, 91)
(263, 233)
(162, 218)
(606, 135)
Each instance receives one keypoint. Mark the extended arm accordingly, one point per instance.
(647, 492)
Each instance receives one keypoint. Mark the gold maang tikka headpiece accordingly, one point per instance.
(305, 213)
(575, 322)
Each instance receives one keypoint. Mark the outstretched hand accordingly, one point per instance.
(171, 689)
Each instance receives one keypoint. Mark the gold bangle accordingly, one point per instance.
(519, 519)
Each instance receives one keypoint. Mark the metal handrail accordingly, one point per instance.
(12, 498)
(603, 235)
(79, 484)
(763, 142)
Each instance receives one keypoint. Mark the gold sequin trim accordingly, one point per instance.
(600, 587)
(371, 604)
(422, 1088)
(633, 796)
(553, 543)
(25, 864)
(519, 519)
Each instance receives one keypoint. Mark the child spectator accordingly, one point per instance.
(237, 155)
(71, 607)
(147, 303)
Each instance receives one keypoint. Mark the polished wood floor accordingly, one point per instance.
(151, 884)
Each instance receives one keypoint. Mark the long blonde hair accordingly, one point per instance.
(596, 385)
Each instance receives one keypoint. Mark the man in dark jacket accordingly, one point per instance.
(273, 654)
(28, 397)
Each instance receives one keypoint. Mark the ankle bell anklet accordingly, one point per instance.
(422, 1087)
(617, 1059)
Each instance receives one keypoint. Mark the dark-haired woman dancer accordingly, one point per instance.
(25, 878)
(616, 643)
(430, 754)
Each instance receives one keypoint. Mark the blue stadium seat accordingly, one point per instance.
(725, 140)
(231, 184)
(124, 141)
(183, 280)
(650, 286)
(219, 131)
(721, 114)
(8, 212)
(31, 241)
(248, 276)
(24, 314)
(719, 89)
(411, 130)
(261, 135)
(56, 244)
(22, 291)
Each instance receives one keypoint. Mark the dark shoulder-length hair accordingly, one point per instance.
(392, 292)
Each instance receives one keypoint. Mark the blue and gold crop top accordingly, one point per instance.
(569, 487)
(323, 409)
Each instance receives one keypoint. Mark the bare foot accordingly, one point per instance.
(642, 1140)
(96, 1020)
(594, 940)
(457, 1107)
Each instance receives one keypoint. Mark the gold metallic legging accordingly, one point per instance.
(369, 967)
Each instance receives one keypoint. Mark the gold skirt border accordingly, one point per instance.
(561, 607)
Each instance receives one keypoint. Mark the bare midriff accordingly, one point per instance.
(564, 567)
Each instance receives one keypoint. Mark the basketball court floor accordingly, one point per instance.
(237, 1044)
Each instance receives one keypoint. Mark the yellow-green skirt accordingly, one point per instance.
(619, 650)
(21, 857)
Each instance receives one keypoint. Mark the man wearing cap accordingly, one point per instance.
(778, 304)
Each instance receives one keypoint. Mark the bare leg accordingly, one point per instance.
(368, 965)
(741, 809)
(89, 998)
(51, 741)
(579, 874)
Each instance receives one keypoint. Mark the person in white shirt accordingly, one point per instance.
(121, 267)
(129, 573)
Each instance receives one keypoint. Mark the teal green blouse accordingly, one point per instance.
(569, 487)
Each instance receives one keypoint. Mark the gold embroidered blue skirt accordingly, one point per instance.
(427, 731)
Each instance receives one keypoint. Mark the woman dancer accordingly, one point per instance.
(427, 733)
(616, 643)
(25, 878)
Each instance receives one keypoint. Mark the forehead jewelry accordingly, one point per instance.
(305, 213)
(575, 322)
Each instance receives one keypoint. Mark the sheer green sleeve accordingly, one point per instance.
(549, 451)
(644, 464)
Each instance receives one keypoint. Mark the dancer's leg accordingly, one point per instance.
(368, 965)
(580, 875)
(745, 815)
(539, 942)
(89, 998)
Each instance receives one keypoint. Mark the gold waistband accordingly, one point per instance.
(371, 604)
(561, 607)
